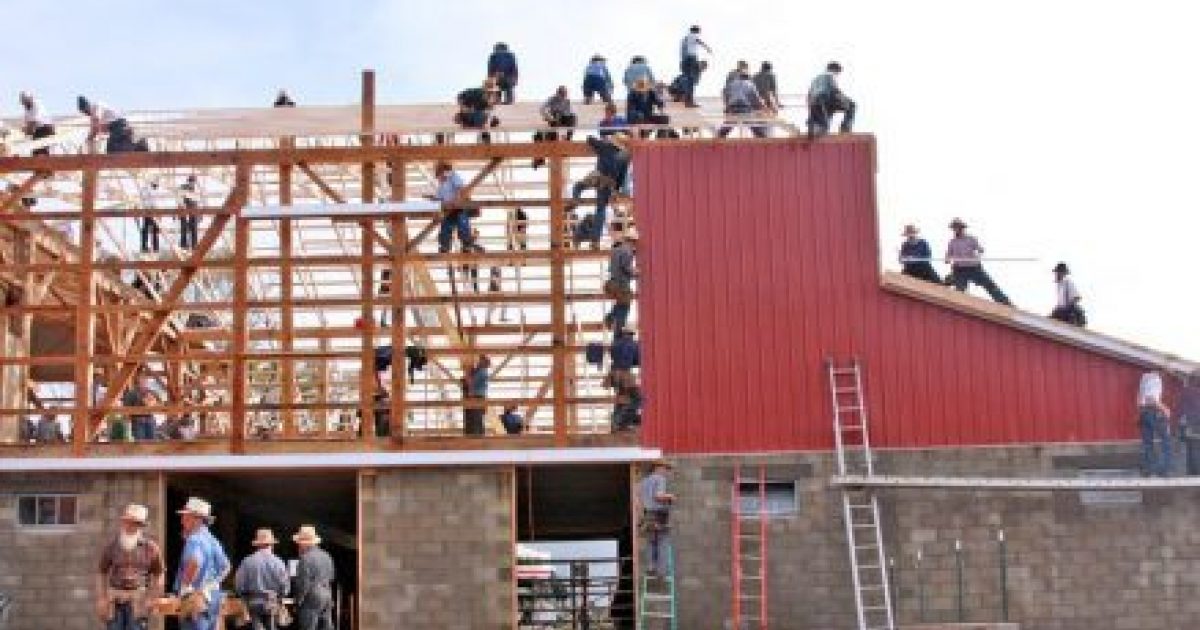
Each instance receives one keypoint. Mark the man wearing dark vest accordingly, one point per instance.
(131, 574)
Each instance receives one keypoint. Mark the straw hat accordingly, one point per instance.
(264, 537)
(197, 507)
(135, 513)
(307, 535)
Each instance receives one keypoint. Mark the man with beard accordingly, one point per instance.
(131, 574)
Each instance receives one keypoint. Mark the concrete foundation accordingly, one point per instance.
(1073, 561)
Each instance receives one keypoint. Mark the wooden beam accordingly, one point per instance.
(367, 187)
(286, 294)
(84, 320)
(463, 194)
(241, 289)
(11, 200)
(161, 312)
(558, 305)
(399, 385)
(325, 188)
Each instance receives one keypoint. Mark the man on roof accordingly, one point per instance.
(916, 257)
(825, 98)
(502, 66)
(1066, 305)
(963, 255)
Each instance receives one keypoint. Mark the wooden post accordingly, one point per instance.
(367, 375)
(558, 308)
(237, 387)
(84, 321)
(399, 234)
(287, 312)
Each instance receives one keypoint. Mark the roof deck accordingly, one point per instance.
(310, 256)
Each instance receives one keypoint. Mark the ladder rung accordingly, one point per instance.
(866, 546)
(870, 587)
(656, 597)
(752, 577)
(751, 557)
(868, 567)
(658, 615)
(863, 525)
(749, 596)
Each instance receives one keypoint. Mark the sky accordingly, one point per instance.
(1061, 131)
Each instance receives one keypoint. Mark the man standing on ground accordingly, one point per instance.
(1188, 412)
(262, 581)
(963, 254)
(656, 516)
(502, 66)
(1066, 306)
(476, 383)
(314, 598)
(132, 574)
(689, 64)
(203, 565)
(916, 257)
(1154, 420)
(825, 99)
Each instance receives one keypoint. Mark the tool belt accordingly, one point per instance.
(656, 520)
(194, 604)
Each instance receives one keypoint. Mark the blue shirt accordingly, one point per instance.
(479, 382)
(824, 85)
(915, 248)
(611, 160)
(598, 70)
(210, 559)
(503, 62)
(262, 572)
(637, 71)
(447, 191)
(625, 353)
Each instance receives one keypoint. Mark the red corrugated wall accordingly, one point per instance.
(760, 259)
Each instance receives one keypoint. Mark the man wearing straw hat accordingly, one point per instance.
(962, 252)
(314, 599)
(203, 565)
(262, 581)
(656, 505)
(131, 575)
(916, 257)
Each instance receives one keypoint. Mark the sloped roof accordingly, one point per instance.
(1034, 324)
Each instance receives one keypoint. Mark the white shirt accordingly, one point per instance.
(35, 116)
(691, 44)
(1150, 389)
(1067, 293)
(104, 113)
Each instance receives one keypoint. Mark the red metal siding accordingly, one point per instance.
(760, 259)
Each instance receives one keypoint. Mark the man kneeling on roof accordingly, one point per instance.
(1066, 307)
(916, 257)
(475, 108)
(556, 112)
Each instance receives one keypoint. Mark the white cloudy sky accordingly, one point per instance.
(1062, 130)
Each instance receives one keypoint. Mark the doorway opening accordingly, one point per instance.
(575, 550)
(244, 502)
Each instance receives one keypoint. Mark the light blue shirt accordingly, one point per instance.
(210, 559)
(448, 189)
(262, 572)
(637, 71)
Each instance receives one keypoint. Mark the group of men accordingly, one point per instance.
(131, 580)
(964, 255)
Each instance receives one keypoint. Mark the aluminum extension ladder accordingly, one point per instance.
(749, 602)
(656, 606)
(860, 506)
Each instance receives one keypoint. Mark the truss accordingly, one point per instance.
(295, 236)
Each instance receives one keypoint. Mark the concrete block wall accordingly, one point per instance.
(437, 549)
(1071, 566)
(50, 573)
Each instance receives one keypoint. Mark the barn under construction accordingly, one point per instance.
(852, 448)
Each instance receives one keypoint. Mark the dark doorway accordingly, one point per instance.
(575, 549)
(244, 502)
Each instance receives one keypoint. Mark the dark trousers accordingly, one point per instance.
(474, 120)
(120, 138)
(758, 130)
(123, 618)
(150, 234)
(457, 222)
(593, 85)
(316, 612)
(1155, 427)
(261, 615)
(189, 228)
(690, 67)
(974, 274)
(473, 418)
(508, 89)
(922, 271)
(1072, 314)
(821, 109)
(42, 131)
(143, 428)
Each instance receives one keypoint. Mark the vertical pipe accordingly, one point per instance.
(1003, 548)
(958, 567)
(920, 587)
(894, 579)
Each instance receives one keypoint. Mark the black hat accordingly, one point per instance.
(501, 46)
(766, 65)
(833, 66)
(83, 104)
(1061, 268)
(695, 28)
